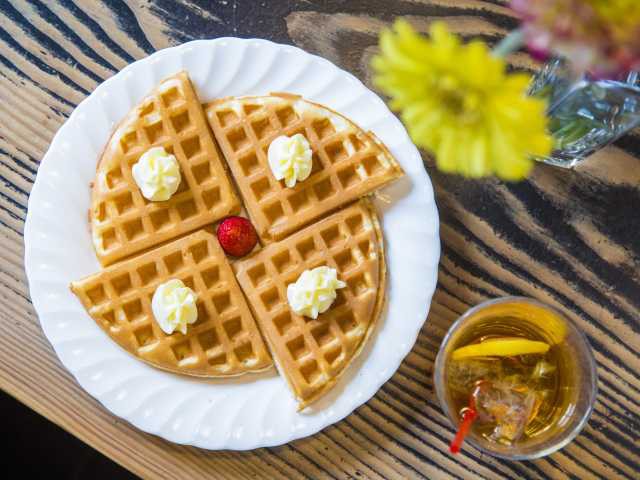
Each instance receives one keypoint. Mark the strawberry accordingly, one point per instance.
(237, 236)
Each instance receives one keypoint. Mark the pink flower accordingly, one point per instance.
(599, 36)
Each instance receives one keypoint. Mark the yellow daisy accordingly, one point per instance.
(459, 102)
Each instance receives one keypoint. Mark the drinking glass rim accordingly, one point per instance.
(438, 374)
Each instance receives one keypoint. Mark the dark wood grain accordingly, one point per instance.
(569, 238)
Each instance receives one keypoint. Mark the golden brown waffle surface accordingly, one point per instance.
(347, 162)
(314, 223)
(224, 341)
(123, 222)
(312, 354)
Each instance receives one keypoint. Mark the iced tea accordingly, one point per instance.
(516, 374)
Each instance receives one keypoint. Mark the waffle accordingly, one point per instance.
(223, 342)
(312, 354)
(123, 222)
(347, 162)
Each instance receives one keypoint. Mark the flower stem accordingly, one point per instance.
(512, 42)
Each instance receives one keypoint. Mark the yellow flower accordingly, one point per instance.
(458, 101)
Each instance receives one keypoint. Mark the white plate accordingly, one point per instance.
(256, 410)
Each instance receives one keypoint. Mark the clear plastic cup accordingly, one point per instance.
(580, 384)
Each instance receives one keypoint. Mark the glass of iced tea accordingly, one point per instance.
(516, 377)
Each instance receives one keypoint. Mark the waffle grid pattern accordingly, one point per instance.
(312, 353)
(223, 341)
(347, 162)
(123, 221)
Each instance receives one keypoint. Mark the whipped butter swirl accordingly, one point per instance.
(314, 291)
(157, 174)
(290, 158)
(174, 306)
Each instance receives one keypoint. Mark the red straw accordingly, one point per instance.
(468, 416)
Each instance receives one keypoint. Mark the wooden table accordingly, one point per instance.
(569, 238)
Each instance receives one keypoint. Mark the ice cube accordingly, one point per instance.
(509, 406)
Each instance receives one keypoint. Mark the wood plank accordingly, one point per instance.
(568, 238)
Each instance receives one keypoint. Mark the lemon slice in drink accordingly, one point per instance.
(500, 347)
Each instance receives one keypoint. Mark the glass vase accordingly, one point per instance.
(585, 114)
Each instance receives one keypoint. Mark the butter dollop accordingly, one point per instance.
(157, 174)
(174, 306)
(290, 158)
(314, 291)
